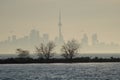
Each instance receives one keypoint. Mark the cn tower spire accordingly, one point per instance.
(60, 25)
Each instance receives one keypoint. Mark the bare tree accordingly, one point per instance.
(70, 49)
(45, 50)
(22, 53)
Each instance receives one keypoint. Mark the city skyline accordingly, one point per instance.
(34, 33)
(34, 39)
(78, 17)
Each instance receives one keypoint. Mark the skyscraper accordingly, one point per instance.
(94, 39)
(84, 41)
(34, 37)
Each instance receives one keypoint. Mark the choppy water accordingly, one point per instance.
(81, 71)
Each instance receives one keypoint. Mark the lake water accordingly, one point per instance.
(75, 71)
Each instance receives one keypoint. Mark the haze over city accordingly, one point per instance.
(78, 18)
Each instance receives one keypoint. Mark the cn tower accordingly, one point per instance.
(60, 31)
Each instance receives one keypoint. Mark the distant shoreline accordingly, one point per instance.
(58, 60)
(100, 55)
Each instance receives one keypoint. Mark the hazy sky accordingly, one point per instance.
(78, 17)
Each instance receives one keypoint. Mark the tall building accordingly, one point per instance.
(61, 40)
(84, 41)
(95, 39)
(14, 38)
(34, 36)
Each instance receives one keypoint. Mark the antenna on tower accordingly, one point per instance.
(60, 24)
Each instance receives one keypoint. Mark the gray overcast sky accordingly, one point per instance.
(78, 16)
